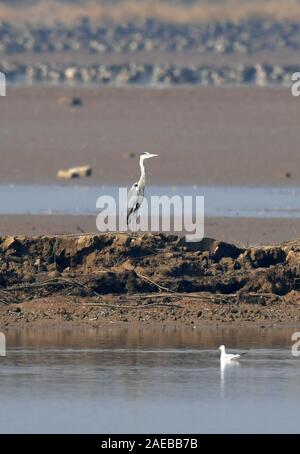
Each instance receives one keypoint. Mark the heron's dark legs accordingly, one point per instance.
(133, 226)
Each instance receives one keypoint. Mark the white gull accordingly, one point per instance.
(228, 356)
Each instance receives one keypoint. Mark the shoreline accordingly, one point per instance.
(60, 312)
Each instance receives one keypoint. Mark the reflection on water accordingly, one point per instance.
(149, 379)
(219, 201)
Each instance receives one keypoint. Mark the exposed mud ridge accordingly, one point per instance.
(146, 277)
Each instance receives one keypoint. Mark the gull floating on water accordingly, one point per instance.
(228, 356)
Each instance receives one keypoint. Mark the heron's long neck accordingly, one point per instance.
(143, 176)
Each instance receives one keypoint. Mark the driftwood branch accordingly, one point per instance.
(147, 279)
(134, 306)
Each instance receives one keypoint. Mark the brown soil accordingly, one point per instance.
(148, 278)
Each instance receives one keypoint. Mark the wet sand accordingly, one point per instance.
(204, 136)
(241, 231)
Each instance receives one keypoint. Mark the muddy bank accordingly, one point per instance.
(117, 277)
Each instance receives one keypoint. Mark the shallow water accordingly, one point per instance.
(219, 201)
(149, 379)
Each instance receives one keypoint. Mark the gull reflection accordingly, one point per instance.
(225, 367)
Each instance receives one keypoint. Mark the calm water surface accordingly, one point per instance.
(149, 379)
(229, 201)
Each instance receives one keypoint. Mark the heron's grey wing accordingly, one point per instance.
(134, 200)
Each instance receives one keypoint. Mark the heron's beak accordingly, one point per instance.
(153, 155)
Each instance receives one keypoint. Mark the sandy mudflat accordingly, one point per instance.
(241, 231)
(241, 136)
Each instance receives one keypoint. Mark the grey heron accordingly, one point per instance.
(136, 194)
